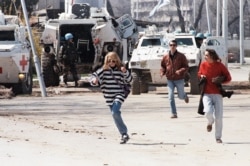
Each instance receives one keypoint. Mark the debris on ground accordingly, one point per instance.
(6, 93)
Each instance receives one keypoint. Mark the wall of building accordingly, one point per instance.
(55, 4)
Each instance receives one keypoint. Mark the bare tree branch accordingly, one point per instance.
(181, 18)
(199, 15)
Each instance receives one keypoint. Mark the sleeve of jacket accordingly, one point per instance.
(185, 67)
(128, 77)
(200, 70)
(163, 65)
(226, 73)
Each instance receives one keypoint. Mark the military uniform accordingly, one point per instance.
(68, 58)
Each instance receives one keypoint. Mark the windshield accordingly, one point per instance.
(96, 3)
(151, 42)
(7, 35)
(184, 41)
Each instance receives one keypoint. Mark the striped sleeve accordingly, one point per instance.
(112, 90)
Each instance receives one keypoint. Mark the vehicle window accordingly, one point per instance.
(90, 2)
(213, 42)
(151, 42)
(184, 41)
(7, 36)
(125, 23)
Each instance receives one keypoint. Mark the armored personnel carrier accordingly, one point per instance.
(95, 33)
(15, 56)
(146, 59)
(145, 62)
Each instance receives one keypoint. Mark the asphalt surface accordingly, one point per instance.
(77, 129)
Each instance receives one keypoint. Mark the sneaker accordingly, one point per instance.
(186, 99)
(174, 116)
(209, 128)
(124, 139)
(219, 141)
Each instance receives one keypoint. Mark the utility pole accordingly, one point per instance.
(225, 25)
(194, 10)
(241, 33)
(208, 18)
(218, 18)
(36, 59)
(137, 8)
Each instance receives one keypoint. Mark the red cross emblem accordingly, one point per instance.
(23, 62)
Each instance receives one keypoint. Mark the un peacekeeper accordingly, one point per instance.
(68, 58)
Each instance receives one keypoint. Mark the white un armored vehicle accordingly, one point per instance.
(145, 62)
(95, 33)
(15, 56)
(146, 59)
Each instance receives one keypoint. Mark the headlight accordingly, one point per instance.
(21, 76)
(133, 63)
(191, 60)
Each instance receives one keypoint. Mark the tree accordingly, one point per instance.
(181, 17)
(199, 14)
(233, 16)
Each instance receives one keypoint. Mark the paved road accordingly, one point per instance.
(77, 129)
(239, 72)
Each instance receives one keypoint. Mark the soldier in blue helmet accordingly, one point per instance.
(68, 57)
(199, 39)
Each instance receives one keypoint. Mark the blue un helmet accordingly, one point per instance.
(207, 34)
(192, 32)
(68, 36)
(200, 35)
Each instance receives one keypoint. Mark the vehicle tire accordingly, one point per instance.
(51, 78)
(135, 85)
(194, 81)
(26, 86)
(249, 77)
(144, 84)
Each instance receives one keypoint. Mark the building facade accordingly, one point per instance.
(49, 4)
(166, 15)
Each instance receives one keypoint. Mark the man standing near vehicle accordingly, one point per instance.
(68, 57)
(174, 66)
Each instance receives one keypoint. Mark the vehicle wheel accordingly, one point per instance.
(194, 81)
(135, 85)
(51, 78)
(144, 84)
(26, 86)
(249, 77)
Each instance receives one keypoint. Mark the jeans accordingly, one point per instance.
(116, 113)
(213, 108)
(179, 84)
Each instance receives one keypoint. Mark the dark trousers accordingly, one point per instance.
(72, 69)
